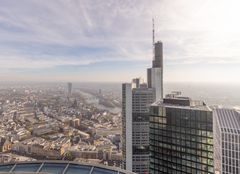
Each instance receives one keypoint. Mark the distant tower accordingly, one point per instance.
(155, 74)
(69, 89)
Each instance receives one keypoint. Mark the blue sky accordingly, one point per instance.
(110, 40)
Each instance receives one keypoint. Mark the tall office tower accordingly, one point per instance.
(226, 141)
(136, 99)
(155, 74)
(181, 136)
(69, 88)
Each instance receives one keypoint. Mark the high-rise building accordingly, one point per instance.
(155, 74)
(181, 136)
(136, 98)
(69, 88)
(226, 141)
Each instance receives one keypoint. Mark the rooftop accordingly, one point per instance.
(228, 118)
(59, 167)
(175, 100)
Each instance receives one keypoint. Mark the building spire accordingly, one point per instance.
(153, 31)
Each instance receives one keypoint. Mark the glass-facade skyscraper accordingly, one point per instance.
(181, 137)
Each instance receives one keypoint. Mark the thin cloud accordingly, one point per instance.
(39, 34)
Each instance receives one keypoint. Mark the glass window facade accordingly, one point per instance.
(76, 169)
(28, 168)
(103, 171)
(6, 168)
(53, 168)
(63, 167)
(181, 140)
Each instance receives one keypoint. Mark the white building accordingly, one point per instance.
(227, 141)
(135, 117)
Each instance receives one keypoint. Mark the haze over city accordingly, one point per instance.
(119, 86)
(68, 40)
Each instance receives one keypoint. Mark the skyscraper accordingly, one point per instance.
(136, 98)
(226, 141)
(155, 74)
(69, 89)
(181, 136)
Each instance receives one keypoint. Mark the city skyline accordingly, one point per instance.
(84, 41)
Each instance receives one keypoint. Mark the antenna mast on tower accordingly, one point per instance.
(153, 37)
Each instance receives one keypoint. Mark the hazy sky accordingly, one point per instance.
(103, 40)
